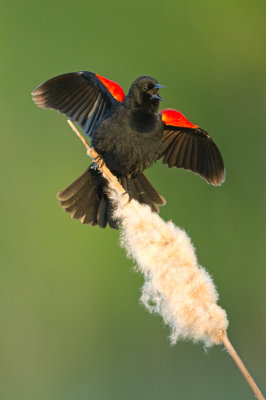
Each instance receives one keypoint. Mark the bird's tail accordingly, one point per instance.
(86, 198)
(142, 190)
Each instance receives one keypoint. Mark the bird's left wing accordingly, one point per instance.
(84, 97)
(187, 146)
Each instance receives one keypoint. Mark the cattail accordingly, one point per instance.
(175, 287)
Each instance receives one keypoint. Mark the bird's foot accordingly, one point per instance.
(128, 192)
(130, 197)
(97, 163)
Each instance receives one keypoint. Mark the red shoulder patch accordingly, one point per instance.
(176, 118)
(113, 87)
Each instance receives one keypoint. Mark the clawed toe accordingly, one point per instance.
(130, 197)
(97, 163)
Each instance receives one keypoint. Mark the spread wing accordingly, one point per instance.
(84, 97)
(185, 145)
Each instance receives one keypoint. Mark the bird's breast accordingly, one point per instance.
(129, 143)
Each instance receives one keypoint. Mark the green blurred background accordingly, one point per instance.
(72, 327)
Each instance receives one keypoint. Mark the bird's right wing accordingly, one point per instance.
(84, 97)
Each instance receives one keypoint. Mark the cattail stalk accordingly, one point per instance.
(175, 287)
(227, 344)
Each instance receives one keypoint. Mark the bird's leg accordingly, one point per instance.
(128, 191)
(97, 163)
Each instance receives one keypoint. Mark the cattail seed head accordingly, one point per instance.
(175, 287)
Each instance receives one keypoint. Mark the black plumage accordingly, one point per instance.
(130, 135)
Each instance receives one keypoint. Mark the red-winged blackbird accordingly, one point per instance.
(130, 135)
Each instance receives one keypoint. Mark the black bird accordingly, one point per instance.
(130, 135)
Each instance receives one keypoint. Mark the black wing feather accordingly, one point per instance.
(192, 149)
(81, 96)
(189, 147)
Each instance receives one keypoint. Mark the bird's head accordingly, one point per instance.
(144, 94)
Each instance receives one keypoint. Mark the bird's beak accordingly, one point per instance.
(154, 92)
(157, 97)
(157, 86)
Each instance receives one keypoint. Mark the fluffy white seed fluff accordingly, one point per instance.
(175, 287)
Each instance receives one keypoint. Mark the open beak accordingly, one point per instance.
(157, 86)
(154, 92)
(157, 97)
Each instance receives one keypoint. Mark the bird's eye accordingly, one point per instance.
(145, 88)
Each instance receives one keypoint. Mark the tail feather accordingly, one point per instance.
(86, 199)
(142, 190)
(75, 187)
(114, 223)
(69, 202)
(79, 208)
(101, 212)
(150, 190)
(142, 195)
(90, 215)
